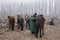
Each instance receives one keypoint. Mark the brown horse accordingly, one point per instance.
(11, 21)
(40, 25)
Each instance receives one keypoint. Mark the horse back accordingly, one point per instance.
(40, 21)
(11, 20)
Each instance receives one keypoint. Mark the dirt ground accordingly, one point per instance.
(51, 33)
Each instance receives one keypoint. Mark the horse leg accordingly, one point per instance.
(40, 32)
(21, 27)
(37, 30)
(9, 26)
(43, 30)
(26, 24)
(12, 26)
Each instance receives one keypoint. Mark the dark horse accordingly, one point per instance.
(20, 22)
(40, 25)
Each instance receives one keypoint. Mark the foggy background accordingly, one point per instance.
(24, 7)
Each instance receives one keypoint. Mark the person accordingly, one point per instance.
(27, 21)
(52, 22)
(40, 20)
(22, 23)
(32, 23)
(18, 21)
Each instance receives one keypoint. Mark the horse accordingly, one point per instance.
(40, 21)
(20, 22)
(11, 21)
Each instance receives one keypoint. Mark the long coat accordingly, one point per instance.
(32, 24)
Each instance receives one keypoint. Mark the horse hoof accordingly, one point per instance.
(43, 34)
(40, 36)
(36, 36)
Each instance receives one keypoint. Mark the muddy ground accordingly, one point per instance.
(51, 33)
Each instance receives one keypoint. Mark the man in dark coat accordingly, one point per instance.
(22, 23)
(18, 21)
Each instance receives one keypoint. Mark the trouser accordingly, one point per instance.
(27, 24)
(41, 29)
(18, 25)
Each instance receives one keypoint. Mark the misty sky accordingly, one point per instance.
(45, 7)
(15, 1)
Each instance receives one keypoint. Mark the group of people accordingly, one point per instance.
(35, 24)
